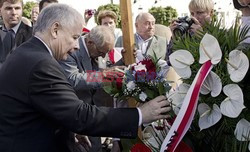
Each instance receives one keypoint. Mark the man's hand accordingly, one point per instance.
(134, 52)
(173, 24)
(196, 26)
(113, 72)
(87, 16)
(84, 141)
(155, 109)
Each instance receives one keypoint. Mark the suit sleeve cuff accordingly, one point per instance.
(140, 117)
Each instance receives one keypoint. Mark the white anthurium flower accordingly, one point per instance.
(242, 130)
(237, 65)
(177, 96)
(131, 85)
(209, 50)
(181, 61)
(149, 135)
(234, 103)
(212, 84)
(184, 73)
(208, 116)
(140, 67)
(143, 96)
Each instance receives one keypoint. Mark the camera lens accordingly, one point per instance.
(184, 23)
(181, 29)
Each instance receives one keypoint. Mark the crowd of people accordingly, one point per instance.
(47, 104)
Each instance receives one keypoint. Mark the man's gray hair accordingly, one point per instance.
(65, 15)
(142, 15)
(101, 35)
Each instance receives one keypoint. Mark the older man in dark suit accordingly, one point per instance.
(15, 32)
(83, 73)
(38, 103)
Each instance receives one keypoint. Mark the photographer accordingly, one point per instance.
(201, 12)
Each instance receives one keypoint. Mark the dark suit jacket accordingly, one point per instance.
(4, 50)
(24, 32)
(37, 100)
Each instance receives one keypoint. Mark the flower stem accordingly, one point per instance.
(206, 112)
(182, 62)
(206, 52)
(231, 64)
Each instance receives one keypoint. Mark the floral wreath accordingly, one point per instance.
(222, 116)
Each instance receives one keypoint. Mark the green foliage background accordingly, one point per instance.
(27, 9)
(163, 15)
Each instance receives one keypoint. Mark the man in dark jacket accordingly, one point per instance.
(39, 108)
(14, 31)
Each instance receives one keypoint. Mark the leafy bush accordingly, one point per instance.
(163, 15)
(27, 8)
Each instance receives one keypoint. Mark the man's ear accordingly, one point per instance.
(212, 13)
(54, 29)
(136, 25)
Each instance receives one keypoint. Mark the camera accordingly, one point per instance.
(90, 12)
(184, 24)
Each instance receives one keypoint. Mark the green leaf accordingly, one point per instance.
(150, 93)
(161, 89)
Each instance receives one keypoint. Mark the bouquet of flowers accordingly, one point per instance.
(144, 81)
(222, 121)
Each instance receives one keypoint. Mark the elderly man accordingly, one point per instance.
(83, 73)
(15, 32)
(81, 67)
(146, 41)
(39, 107)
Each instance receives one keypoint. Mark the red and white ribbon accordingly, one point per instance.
(187, 111)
